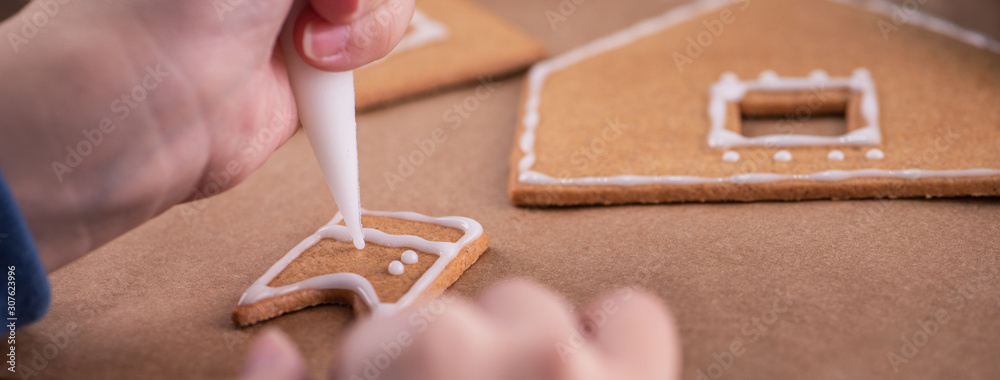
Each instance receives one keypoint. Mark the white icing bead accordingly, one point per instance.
(409, 257)
(531, 119)
(396, 268)
(874, 154)
(729, 76)
(818, 75)
(782, 156)
(835, 155)
(767, 76)
(730, 156)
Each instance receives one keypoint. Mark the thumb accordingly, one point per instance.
(273, 357)
(341, 35)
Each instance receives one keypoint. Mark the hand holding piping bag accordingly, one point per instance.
(325, 99)
(325, 102)
(215, 102)
(326, 110)
(217, 83)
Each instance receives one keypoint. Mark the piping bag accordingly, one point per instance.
(325, 102)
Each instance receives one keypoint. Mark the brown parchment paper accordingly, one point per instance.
(860, 275)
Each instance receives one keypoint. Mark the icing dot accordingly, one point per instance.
(835, 155)
(531, 119)
(874, 154)
(818, 75)
(409, 257)
(861, 79)
(782, 156)
(730, 156)
(768, 76)
(396, 268)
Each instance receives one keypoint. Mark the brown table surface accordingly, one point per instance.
(861, 275)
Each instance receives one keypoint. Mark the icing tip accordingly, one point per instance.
(359, 243)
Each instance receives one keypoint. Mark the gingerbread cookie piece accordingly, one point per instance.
(763, 100)
(409, 257)
(449, 42)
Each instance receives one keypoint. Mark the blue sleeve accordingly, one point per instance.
(27, 292)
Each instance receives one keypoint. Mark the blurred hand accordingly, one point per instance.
(112, 112)
(515, 330)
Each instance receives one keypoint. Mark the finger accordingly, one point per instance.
(530, 307)
(449, 339)
(340, 35)
(538, 324)
(635, 330)
(372, 340)
(273, 356)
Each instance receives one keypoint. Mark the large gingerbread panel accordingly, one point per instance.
(763, 100)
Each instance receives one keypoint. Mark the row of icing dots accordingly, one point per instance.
(786, 156)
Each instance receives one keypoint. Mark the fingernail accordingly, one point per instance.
(348, 10)
(273, 356)
(323, 41)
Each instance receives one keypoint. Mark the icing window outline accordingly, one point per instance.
(730, 89)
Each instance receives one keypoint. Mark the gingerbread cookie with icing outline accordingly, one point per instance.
(655, 113)
(410, 257)
(449, 42)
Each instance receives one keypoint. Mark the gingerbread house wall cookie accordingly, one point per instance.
(410, 257)
(763, 100)
(449, 42)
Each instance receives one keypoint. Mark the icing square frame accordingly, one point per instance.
(729, 90)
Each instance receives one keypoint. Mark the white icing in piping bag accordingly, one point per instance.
(325, 102)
